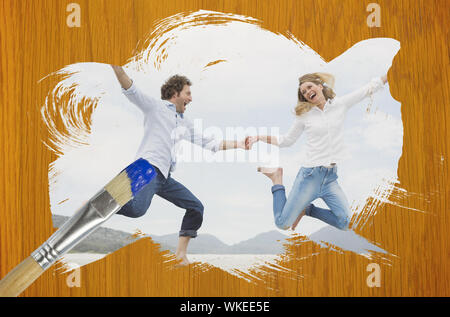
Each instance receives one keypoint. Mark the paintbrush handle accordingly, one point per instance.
(72, 232)
(22, 276)
(99, 209)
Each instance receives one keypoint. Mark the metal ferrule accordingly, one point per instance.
(99, 209)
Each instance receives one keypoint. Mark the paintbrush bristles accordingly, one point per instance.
(120, 188)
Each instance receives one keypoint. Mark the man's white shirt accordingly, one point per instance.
(164, 128)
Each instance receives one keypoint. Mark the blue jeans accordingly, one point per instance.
(310, 184)
(172, 191)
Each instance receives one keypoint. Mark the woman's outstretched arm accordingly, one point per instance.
(284, 140)
(356, 96)
(269, 139)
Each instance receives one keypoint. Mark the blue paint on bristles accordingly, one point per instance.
(140, 173)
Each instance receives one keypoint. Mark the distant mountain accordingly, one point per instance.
(264, 243)
(345, 239)
(106, 240)
(102, 240)
(203, 243)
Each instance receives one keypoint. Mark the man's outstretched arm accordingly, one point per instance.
(123, 78)
(227, 145)
(132, 92)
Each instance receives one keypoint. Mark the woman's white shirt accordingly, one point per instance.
(323, 128)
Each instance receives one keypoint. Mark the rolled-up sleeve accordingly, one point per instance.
(293, 133)
(140, 99)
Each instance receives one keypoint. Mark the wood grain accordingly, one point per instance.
(36, 41)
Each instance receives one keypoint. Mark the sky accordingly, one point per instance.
(252, 87)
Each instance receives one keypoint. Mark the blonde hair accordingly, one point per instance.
(324, 79)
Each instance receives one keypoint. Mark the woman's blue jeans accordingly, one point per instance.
(310, 184)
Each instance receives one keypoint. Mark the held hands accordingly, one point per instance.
(249, 141)
(245, 144)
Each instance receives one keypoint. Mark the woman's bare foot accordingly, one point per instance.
(294, 225)
(274, 173)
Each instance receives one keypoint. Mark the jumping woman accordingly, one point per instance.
(320, 115)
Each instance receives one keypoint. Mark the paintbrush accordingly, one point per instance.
(90, 216)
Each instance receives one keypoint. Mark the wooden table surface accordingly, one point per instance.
(35, 41)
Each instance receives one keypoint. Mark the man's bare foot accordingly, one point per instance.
(182, 260)
(294, 225)
(274, 173)
(180, 253)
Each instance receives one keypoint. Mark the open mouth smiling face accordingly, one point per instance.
(311, 92)
(184, 104)
(312, 95)
(185, 97)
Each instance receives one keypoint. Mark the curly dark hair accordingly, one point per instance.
(174, 85)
